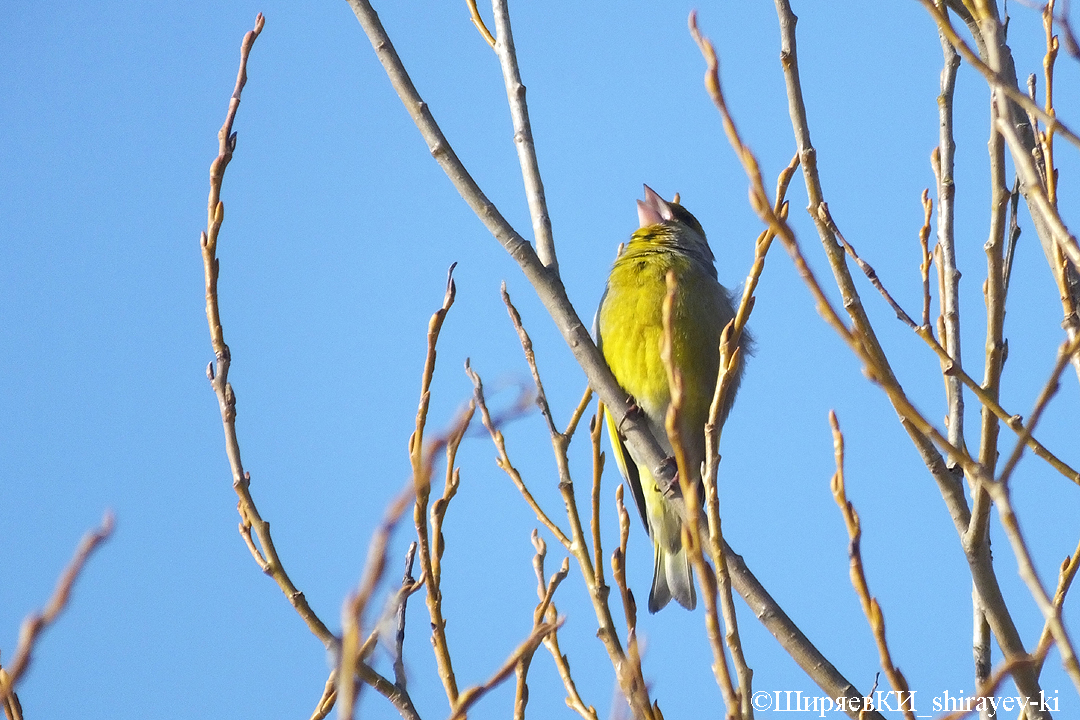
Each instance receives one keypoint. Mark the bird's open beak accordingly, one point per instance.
(653, 210)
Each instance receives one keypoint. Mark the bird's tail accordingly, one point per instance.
(672, 578)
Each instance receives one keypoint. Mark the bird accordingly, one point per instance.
(629, 330)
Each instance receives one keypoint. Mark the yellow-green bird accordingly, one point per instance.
(629, 330)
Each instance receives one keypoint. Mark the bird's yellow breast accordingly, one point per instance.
(631, 327)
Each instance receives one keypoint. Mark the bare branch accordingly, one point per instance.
(407, 583)
(994, 78)
(863, 341)
(999, 491)
(328, 698)
(503, 461)
(924, 264)
(628, 672)
(692, 530)
(943, 161)
(1066, 574)
(595, 430)
(474, 15)
(265, 553)
(551, 642)
(631, 683)
(643, 447)
(470, 696)
(523, 138)
(870, 273)
(36, 623)
(422, 458)
(1036, 196)
(352, 614)
(858, 577)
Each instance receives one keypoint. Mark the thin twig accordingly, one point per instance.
(596, 425)
(579, 546)
(870, 273)
(1036, 193)
(995, 79)
(943, 160)
(523, 137)
(995, 291)
(1052, 615)
(628, 673)
(503, 460)
(352, 614)
(37, 623)
(407, 582)
(858, 577)
(329, 697)
(1066, 574)
(421, 459)
(924, 263)
(251, 521)
(469, 697)
(995, 300)
(1065, 354)
(989, 689)
(692, 532)
(551, 642)
(474, 15)
(1014, 231)
(1013, 422)
(544, 610)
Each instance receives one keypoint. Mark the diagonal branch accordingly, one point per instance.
(36, 623)
(994, 78)
(472, 695)
(549, 289)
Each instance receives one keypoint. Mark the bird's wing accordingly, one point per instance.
(627, 466)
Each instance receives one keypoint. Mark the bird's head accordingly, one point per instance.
(670, 224)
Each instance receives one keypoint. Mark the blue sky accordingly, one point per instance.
(339, 229)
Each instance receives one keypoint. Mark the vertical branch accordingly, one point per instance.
(545, 611)
(994, 292)
(596, 428)
(631, 682)
(865, 344)
(408, 584)
(551, 642)
(692, 530)
(629, 673)
(352, 614)
(1000, 73)
(218, 372)
(730, 362)
(421, 472)
(950, 298)
(523, 137)
(1065, 272)
(858, 576)
(926, 258)
(549, 288)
